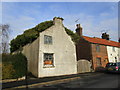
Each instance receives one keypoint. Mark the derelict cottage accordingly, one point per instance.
(53, 53)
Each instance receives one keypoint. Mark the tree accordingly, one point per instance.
(5, 37)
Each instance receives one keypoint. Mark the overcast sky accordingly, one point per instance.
(94, 17)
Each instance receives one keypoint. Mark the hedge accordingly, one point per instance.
(14, 66)
(7, 70)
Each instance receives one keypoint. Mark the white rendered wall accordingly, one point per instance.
(112, 54)
(64, 52)
(31, 52)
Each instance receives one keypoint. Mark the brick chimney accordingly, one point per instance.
(58, 21)
(119, 40)
(79, 30)
(105, 36)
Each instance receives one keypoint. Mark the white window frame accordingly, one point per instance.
(48, 60)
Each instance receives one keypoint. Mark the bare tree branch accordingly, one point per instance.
(5, 37)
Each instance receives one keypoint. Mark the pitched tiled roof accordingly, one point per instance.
(102, 41)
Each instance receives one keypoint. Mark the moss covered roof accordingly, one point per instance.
(32, 34)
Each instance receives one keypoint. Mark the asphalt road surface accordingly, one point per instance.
(98, 81)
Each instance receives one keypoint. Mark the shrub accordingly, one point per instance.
(14, 66)
(7, 70)
(20, 65)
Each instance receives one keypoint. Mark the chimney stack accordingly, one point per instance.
(105, 36)
(58, 21)
(119, 40)
(79, 30)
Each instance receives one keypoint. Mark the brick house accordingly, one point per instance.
(93, 49)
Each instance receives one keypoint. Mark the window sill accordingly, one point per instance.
(48, 43)
(48, 66)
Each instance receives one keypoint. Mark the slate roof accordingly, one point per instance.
(101, 41)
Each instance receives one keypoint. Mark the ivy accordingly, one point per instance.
(32, 34)
(29, 35)
(75, 38)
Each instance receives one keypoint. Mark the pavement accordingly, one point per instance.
(31, 82)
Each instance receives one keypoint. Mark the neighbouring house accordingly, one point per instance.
(98, 51)
(53, 53)
(113, 52)
(113, 48)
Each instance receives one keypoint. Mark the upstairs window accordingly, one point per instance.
(48, 59)
(98, 48)
(47, 39)
(113, 49)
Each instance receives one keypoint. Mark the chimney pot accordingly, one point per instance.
(78, 25)
(105, 36)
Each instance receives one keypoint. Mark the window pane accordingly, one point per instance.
(50, 57)
(97, 48)
(47, 39)
(114, 49)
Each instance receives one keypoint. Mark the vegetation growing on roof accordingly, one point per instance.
(58, 18)
(29, 35)
(75, 38)
(32, 34)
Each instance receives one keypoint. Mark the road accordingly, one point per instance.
(98, 81)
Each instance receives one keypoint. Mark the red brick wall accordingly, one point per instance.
(102, 54)
(83, 50)
(87, 50)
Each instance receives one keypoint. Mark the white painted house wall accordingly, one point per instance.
(113, 53)
(31, 52)
(63, 48)
(64, 52)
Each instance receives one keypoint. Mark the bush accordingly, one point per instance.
(7, 71)
(14, 66)
(20, 65)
